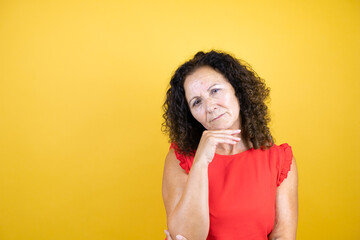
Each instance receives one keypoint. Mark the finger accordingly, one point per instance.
(168, 237)
(228, 141)
(215, 140)
(179, 237)
(217, 136)
(236, 132)
(227, 131)
(221, 134)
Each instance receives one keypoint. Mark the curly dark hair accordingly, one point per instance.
(185, 131)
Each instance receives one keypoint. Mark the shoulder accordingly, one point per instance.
(174, 181)
(284, 147)
(281, 152)
(172, 168)
(285, 161)
(184, 161)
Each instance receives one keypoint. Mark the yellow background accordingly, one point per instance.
(81, 89)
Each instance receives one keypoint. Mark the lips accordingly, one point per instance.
(214, 119)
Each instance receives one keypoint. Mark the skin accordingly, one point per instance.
(212, 100)
(213, 103)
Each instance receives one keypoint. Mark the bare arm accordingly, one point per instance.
(186, 199)
(286, 207)
(186, 195)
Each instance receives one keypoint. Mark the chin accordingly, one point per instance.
(222, 124)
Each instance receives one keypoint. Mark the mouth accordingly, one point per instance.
(214, 119)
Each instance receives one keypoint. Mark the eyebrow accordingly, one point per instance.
(207, 90)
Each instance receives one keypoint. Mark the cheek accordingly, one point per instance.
(232, 102)
(198, 114)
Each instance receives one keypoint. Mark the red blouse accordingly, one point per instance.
(242, 191)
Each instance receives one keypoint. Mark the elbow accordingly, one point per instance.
(191, 230)
(281, 236)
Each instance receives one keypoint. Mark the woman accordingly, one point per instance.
(224, 178)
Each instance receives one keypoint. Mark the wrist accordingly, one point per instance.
(200, 163)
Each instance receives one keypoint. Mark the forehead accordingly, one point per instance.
(202, 79)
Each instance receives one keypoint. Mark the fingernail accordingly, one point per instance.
(178, 237)
(166, 232)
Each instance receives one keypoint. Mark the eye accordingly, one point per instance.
(196, 102)
(214, 90)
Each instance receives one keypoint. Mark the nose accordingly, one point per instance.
(210, 105)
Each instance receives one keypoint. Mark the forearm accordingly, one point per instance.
(190, 217)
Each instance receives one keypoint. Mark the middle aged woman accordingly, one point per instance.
(224, 178)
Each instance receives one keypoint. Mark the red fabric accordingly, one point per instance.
(242, 191)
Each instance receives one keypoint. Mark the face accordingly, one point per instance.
(212, 100)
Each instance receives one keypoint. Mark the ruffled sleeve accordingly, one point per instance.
(185, 161)
(284, 164)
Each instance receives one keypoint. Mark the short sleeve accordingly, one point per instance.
(185, 161)
(285, 156)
